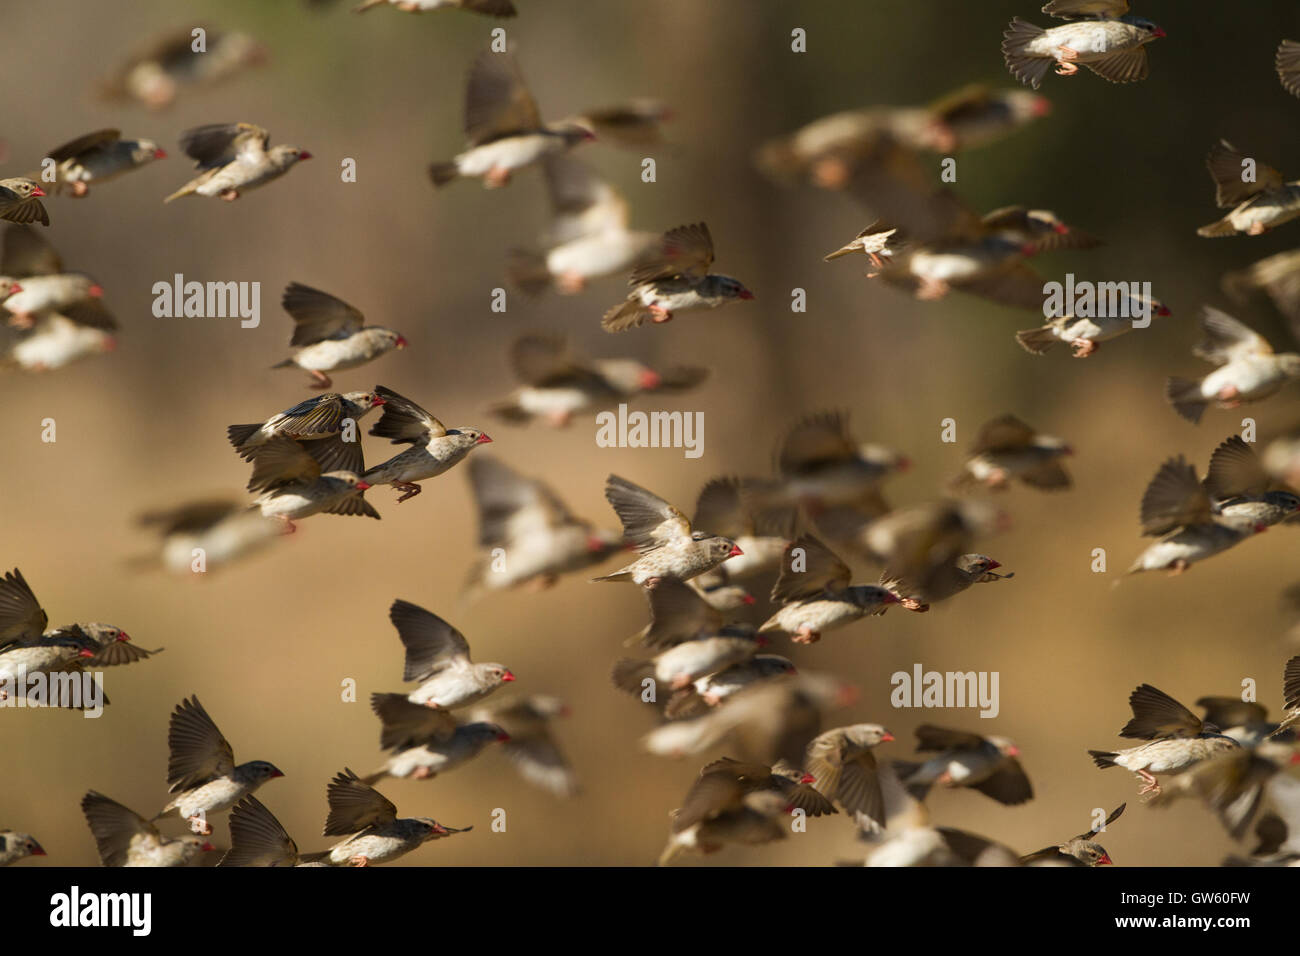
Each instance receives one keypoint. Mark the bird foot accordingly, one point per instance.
(80, 189)
(21, 320)
(319, 380)
(1257, 229)
(358, 861)
(806, 635)
(409, 489)
(932, 289)
(421, 773)
(200, 825)
(1083, 347)
(287, 526)
(659, 314)
(558, 419)
(570, 283)
(912, 604)
(652, 583)
(229, 195)
(496, 177)
(1178, 567)
(831, 174)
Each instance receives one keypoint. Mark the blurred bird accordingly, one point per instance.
(733, 508)
(532, 747)
(1278, 830)
(1101, 36)
(938, 584)
(331, 335)
(632, 124)
(1006, 449)
(125, 838)
(491, 8)
(1084, 335)
(737, 802)
(221, 532)
(843, 768)
(556, 383)
(1242, 490)
(814, 594)
(671, 550)
(712, 690)
(20, 201)
(426, 742)
(156, 74)
(369, 819)
(235, 158)
(44, 287)
(872, 243)
(23, 620)
(674, 278)
(1259, 204)
(527, 535)
(1082, 850)
(98, 157)
(15, 846)
(504, 126)
(683, 664)
(437, 655)
(434, 447)
(986, 763)
(587, 238)
(678, 613)
(1248, 368)
(201, 768)
(1278, 276)
(821, 465)
(1287, 64)
(1177, 739)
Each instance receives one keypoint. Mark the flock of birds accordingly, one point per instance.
(785, 535)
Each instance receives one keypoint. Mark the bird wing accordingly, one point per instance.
(404, 724)
(1156, 715)
(1227, 339)
(822, 570)
(1175, 498)
(497, 101)
(431, 643)
(1235, 470)
(403, 421)
(686, 251)
(511, 505)
(25, 253)
(930, 737)
(1004, 433)
(1225, 164)
(318, 316)
(21, 615)
(283, 461)
(355, 806)
(217, 144)
(197, 750)
(648, 521)
(85, 144)
(582, 204)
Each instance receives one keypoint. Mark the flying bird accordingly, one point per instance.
(1248, 370)
(434, 449)
(1101, 35)
(235, 158)
(330, 335)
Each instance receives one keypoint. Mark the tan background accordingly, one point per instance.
(265, 645)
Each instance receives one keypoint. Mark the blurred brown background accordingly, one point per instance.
(266, 644)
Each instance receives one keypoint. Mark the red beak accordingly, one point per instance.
(378, 401)
(887, 738)
(38, 851)
(304, 155)
(1013, 751)
(96, 292)
(650, 379)
(507, 677)
(761, 641)
(1105, 860)
(1042, 106)
(1061, 228)
(735, 551)
(749, 599)
(483, 440)
(207, 848)
(15, 288)
(278, 773)
(745, 294)
(994, 564)
(123, 636)
(402, 343)
(110, 344)
(85, 653)
(503, 738)
(38, 191)
(159, 154)
(807, 778)
(1158, 33)
(363, 485)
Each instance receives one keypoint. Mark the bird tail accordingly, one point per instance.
(1185, 395)
(623, 575)
(1103, 758)
(628, 673)
(443, 173)
(626, 315)
(675, 848)
(1037, 341)
(1217, 229)
(1024, 66)
(527, 272)
(287, 363)
(839, 253)
(239, 434)
(183, 191)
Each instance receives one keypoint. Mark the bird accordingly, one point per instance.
(1278, 276)
(331, 417)
(843, 767)
(556, 383)
(1242, 491)
(821, 466)
(375, 834)
(45, 288)
(678, 613)
(437, 655)
(670, 549)
(532, 747)
(504, 126)
(235, 158)
(23, 620)
(434, 447)
(1078, 851)
(258, 839)
(1084, 334)
(1006, 449)
(1248, 370)
(1177, 509)
(632, 124)
(491, 8)
(98, 157)
(1258, 204)
(588, 236)
(1176, 739)
(330, 335)
(674, 278)
(527, 536)
(20, 201)
(680, 666)
(1101, 35)
(732, 801)
(917, 594)
(293, 485)
(201, 768)
(734, 508)
(1291, 692)
(982, 762)
(15, 846)
(58, 339)
(814, 595)
(157, 73)
(221, 530)
(426, 741)
(124, 838)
